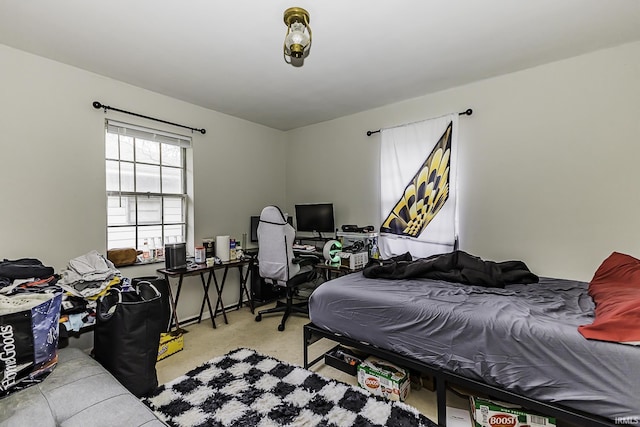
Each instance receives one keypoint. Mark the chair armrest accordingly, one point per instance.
(305, 259)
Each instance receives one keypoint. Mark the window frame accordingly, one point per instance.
(138, 133)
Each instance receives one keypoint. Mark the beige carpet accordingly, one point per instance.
(202, 343)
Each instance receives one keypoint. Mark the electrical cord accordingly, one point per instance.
(354, 248)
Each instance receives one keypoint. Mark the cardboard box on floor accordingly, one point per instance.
(170, 343)
(489, 413)
(384, 379)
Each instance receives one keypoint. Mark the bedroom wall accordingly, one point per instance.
(548, 162)
(52, 165)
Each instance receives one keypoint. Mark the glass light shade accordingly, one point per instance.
(297, 39)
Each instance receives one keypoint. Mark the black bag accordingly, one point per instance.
(162, 285)
(127, 336)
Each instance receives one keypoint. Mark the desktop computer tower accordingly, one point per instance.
(262, 292)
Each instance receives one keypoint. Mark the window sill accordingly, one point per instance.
(153, 261)
(142, 263)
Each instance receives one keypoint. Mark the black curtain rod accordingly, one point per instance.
(98, 105)
(467, 112)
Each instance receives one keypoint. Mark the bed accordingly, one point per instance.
(520, 341)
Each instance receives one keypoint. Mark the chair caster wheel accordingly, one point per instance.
(258, 317)
(281, 327)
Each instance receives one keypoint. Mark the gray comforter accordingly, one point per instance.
(522, 338)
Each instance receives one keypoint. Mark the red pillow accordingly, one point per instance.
(615, 288)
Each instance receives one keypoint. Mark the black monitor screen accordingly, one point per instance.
(255, 220)
(254, 228)
(316, 217)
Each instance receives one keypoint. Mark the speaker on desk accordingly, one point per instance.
(175, 255)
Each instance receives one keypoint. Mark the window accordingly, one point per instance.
(146, 186)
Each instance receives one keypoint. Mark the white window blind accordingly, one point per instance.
(145, 185)
(148, 134)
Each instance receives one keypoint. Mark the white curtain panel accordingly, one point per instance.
(418, 188)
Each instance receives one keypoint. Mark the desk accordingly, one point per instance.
(329, 271)
(201, 269)
(333, 271)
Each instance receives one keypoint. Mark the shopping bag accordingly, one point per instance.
(127, 336)
(28, 339)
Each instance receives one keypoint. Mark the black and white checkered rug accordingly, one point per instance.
(245, 388)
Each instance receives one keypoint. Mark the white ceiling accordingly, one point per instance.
(227, 55)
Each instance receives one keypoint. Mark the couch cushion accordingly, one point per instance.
(79, 392)
(122, 410)
(26, 408)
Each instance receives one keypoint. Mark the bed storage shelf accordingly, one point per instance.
(444, 378)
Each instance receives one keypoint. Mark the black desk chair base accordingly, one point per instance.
(289, 307)
(288, 310)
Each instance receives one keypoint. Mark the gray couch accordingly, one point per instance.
(79, 392)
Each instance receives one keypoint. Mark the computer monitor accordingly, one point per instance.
(255, 220)
(315, 217)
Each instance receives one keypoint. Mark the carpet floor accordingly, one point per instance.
(246, 388)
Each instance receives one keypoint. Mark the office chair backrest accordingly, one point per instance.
(275, 239)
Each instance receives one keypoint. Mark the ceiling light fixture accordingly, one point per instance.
(297, 42)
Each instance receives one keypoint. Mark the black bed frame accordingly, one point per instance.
(443, 378)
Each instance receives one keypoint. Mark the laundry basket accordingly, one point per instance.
(127, 335)
(162, 285)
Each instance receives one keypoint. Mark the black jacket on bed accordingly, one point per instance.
(457, 266)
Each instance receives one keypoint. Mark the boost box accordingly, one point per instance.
(487, 413)
(384, 379)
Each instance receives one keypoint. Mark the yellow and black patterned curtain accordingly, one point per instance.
(418, 188)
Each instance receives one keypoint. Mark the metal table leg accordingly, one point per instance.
(206, 298)
(244, 290)
(219, 289)
(174, 302)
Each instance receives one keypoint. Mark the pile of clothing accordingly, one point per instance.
(88, 275)
(26, 275)
(86, 279)
(457, 266)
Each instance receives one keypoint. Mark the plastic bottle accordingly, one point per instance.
(199, 255)
(375, 253)
(145, 250)
(152, 250)
(159, 248)
(232, 249)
